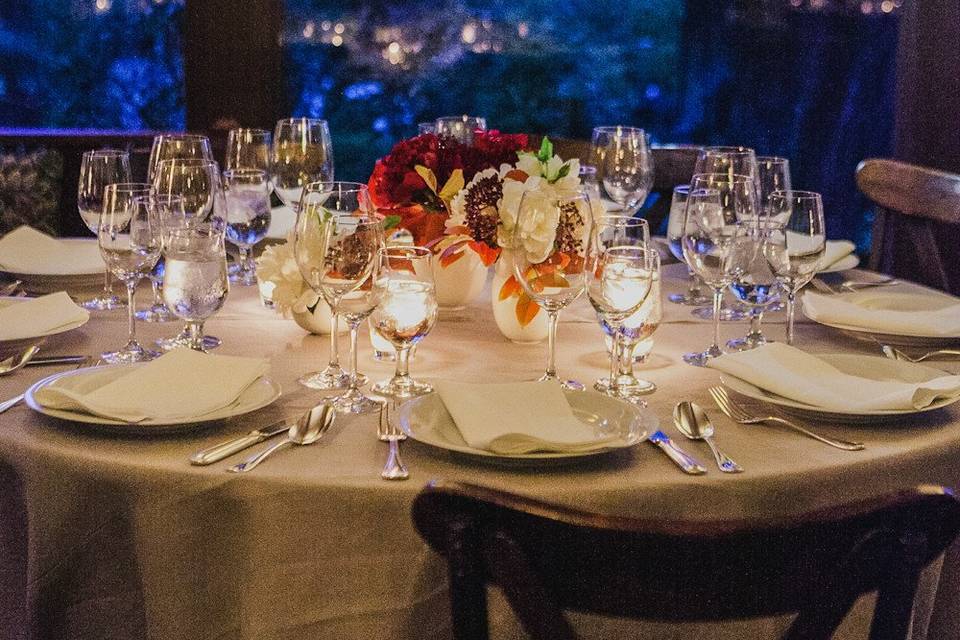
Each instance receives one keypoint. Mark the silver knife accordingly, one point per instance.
(40, 361)
(226, 449)
(686, 462)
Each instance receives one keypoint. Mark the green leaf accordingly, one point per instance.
(546, 150)
(390, 222)
(564, 170)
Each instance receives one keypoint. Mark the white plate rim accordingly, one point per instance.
(847, 262)
(54, 332)
(147, 426)
(646, 422)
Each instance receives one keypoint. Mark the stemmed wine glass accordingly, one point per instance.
(460, 128)
(773, 174)
(337, 237)
(164, 207)
(302, 153)
(548, 248)
(795, 244)
(249, 149)
(624, 165)
(129, 238)
(97, 170)
(754, 284)
(731, 161)
(406, 312)
(195, 280)
(169, 146)
(678, 207)
(247, 193)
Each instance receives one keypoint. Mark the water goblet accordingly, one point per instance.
(678, 204)
(406, 312)
(164, 207)
(302, 153)
(773, 174)
(730, 161)
(548, 251)
(97, 170)
(170, 146)
(624, 164)
(460, 128)
(129, 239)
(247, 193)
(755, 284)
(335, 244)
(795, 243)
(249, 149)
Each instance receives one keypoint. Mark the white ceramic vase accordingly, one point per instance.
(319, 321)
(458, 284)
(505, 311)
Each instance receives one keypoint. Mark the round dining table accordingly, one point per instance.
(108, 535)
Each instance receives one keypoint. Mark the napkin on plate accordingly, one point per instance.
(517, 418)
(26, 250)
(835, 251)
(179, 385)
(34, 317)
(800, 376)
(885, 311)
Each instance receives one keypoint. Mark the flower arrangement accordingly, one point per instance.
(278, 265)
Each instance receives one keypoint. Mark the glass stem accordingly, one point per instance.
(157, 294)
(756, 317)
(693, 290)
(717, 304)
(626, 359)
(403, 364)
(244, 263)
(131, 311)
(615, 351)
(107, 285)
(551, 372)
(334, 360)
(195, 329)
(791, 302)
(354, 334)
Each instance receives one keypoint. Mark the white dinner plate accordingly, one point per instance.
(843, 264)
(425, 419)
(11, 346)
(50, 280)
(258, 395)
(871, 367)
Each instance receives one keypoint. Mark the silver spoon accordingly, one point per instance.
(308, 428)
(692, 421)
(14, 362)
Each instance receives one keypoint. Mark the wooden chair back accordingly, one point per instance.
(547, 559)
(917, 221)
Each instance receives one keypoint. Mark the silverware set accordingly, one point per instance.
(388, 431)
(308, 428)
(27, 358)
(825, 284)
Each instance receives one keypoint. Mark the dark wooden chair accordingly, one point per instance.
(917, 221)
(547, 559)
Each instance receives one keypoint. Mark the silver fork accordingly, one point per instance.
(737, 413)
(389, 432)
(896, 354)
(15, 400)
(10, 289)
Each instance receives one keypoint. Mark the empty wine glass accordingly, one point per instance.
(426, 127)
(195, 284)
(169, 146)
(129, 238)
(730, 161)
(247, 193)
(164, 207)
(548, 249)
(460, 128)
(795, 244)
(336, 241)
(773, 174)
(678, 206)
(624, 165)
(406, 312)
(302, 153)
(754, 284)
(97, 170)
(249, 149)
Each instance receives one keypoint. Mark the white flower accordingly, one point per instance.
(529, 164)
(513, 191)
(538, 228)
(457, 215)
(278, 264)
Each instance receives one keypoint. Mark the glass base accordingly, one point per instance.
(727, 314)
(353, 401)
(331, 378)
(103, 303)
(131, 353)
(182, 340)
(627, 386)
(243, 277)
(687, 300)
(701, 359)
(750, 341)
(402, 388)
(156, 313)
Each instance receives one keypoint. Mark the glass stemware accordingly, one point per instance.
(795, 244)
(129, 239)
(755, 284)
(164, 207)
(97, 170)
(678, 206)
(249, 149)
(302, 153)
(773, 174)
(247, 193)
(195, 280)
(548, 248)
(336, 242)
(624, 165)
(406, 312)
(460, 128)
(169, 146)
(730, 161)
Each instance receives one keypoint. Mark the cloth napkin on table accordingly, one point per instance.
(800, 376)
(885, 311)
(517, 418)
(179, 385)
(39, 316)
(835, 251)
(26, 250)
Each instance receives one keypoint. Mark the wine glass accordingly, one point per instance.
(302, 153)
(678, 205)
(624, 165)
(406, 312)
(773, 174)
(548, 249)
(247, 193)
(755, 284)
(164, 207)
(195, 284)
(795, 244)
(169, 146)
(730, 161)
(426, 127)
(460, 128)
(342, 197)
(97, 170)
(249, 149)
(129, 237)
(623, 282)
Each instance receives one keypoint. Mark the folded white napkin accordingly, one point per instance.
(179, 385)
(26, 250)
(794, 374)
(517, 418)
(884, 311)
(34, 317)
(836, 250)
